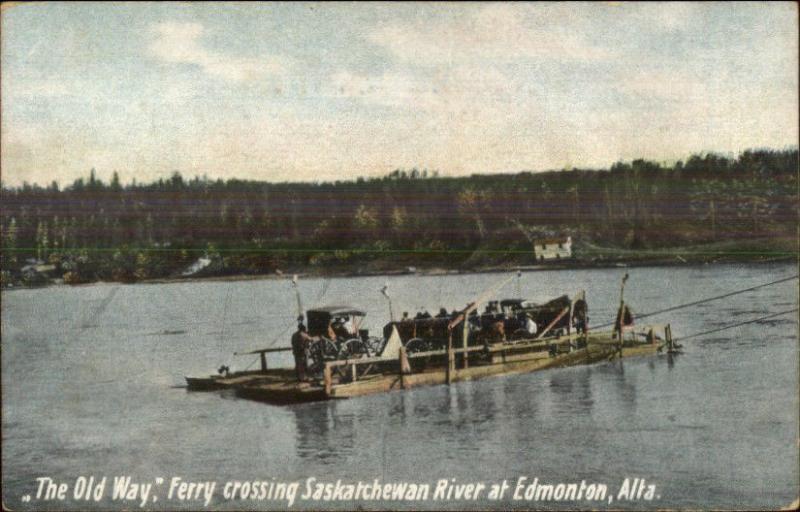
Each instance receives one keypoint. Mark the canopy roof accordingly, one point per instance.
(338, 310)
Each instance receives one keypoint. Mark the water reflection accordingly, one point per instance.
(572, 391)
(523, 395)
(626, 391)
(322, 434)
(402, 406)
(623, 389)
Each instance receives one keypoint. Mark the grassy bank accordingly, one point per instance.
(761, 249)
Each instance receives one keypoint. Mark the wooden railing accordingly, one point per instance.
(263, 354)
(403, 358)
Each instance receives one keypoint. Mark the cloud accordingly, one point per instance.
(180, 43)
(47, 88)
(497, 32)
(667, 16)
(389, 89)
(661, 85)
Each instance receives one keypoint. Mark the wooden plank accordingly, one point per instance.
(326, 376)
(287, 391)
(439, 376)
(450, 358)
(263, 351)
(550, 326)
(497, 347)
(465, 354)
(465, 313)
(403, 367)
(504, 357)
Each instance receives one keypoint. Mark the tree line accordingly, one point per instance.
(94, 230)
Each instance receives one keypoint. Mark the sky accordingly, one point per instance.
(312, 91)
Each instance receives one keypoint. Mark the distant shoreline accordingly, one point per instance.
(679, 259)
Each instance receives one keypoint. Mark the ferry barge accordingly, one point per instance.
(437, 350)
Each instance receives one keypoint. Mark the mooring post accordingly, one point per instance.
(405, 368)
(450, 358)
(263, 362)
(464, 344)
(571, 313)
(326, 377)
(621, 316)
(668, 335)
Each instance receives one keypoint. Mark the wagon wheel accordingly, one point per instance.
(414, 346)
(314, 358)
(330, 350)
(353, 349)
(319, 352)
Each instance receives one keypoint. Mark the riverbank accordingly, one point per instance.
(588, 256)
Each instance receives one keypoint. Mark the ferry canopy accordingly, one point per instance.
(337, 311)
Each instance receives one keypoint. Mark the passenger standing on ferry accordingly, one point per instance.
(530, 325)
(580, 324)
(300, 341)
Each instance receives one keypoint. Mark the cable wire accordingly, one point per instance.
(738, 324)
(701, 301)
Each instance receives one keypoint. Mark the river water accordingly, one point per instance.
(92, 376)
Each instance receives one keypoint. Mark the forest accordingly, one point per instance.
(90, 230)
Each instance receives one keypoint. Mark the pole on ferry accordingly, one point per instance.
(297, 296)
(386, 294)
(621, 314)
(465, 335)
(450, 358)
(464, 316)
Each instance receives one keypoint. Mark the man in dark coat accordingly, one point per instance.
(300, 341)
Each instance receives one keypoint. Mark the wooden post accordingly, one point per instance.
(464, 344)
(263, 362)
(353, 373)
(668, 335)
(450, 358)
(569, 324)
(326, 376)
(551, 324)
(297, 296)
(621, 310)
(404, 367)
(571, 314)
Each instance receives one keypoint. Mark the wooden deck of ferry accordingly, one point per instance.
(341, 378)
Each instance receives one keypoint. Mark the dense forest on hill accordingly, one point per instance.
(91, 230)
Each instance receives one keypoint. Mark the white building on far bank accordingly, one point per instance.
(552, 248)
